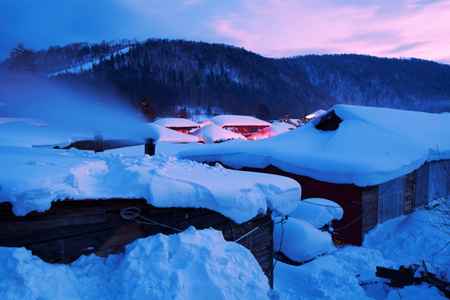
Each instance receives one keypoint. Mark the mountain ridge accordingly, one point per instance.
(170, 73)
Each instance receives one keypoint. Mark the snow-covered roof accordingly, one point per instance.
(162, 134)
(31, 178)
(176, 123)
(236, 120)
(316, 114)
(214, 133)
(370, 146)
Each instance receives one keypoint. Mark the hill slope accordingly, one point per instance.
(167, 73)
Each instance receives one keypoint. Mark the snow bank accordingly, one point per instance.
(338, 274)
(190, 265)
(411, 239)
(317, 211)
(32, 178)
(300, 241)
(370, 146)
(213, 133)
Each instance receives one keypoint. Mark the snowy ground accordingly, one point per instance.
(202, 265)
(198, 264)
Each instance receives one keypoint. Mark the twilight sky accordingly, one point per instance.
(273, 28)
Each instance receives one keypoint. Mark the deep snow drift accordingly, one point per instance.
(370, 146)
(35, 177)
(190, 265)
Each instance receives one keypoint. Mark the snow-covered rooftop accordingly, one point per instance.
(370, 146)
(316, 114)
(213, 133)
(176, 123)
(236, 120)
(162, 134)
(32, 178)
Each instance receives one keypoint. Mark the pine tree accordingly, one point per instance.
(22, 60)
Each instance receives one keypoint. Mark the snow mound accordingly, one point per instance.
(35, 177)
(162, 134)
(317, 211)
(212, 133)
(411, 239)
(190, 265)
(300, 241)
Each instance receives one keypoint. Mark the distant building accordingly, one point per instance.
(245, 125)
(315, 114)
(178, 124)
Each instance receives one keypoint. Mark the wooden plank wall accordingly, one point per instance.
(410, 193)
(369, 208)
(73, 228)
(349, 229)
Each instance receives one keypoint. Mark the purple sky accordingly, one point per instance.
(273, 28)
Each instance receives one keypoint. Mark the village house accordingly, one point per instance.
(245, 125)
(178, 124)
(376, 163)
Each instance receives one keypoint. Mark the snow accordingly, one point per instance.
(371, 146)
(89, 65)
(338, 274)
(297, 236)
(212, 133)
(300, 241)
(237, 120)
(36, 176)
(190, 265)
(162, 134)
(281, 127)
(200, 264)
(176, 122)
(315, 114)
(317, 211)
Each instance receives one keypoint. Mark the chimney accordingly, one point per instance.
(98, 141)
(150, 147)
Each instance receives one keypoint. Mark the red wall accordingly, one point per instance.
(346, 195)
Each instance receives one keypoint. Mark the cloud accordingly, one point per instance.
(407, 28)
(224, 27)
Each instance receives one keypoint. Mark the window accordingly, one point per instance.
(390, 199)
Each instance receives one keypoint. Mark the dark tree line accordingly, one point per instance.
(168, 74)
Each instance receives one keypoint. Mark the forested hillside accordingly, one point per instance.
(167, 73)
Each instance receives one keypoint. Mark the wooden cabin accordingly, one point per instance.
(365, 207)
(70, 228)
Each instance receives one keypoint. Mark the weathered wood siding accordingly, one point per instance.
(410, 193)
(369, 208)
(72, 228)
(422, 185)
